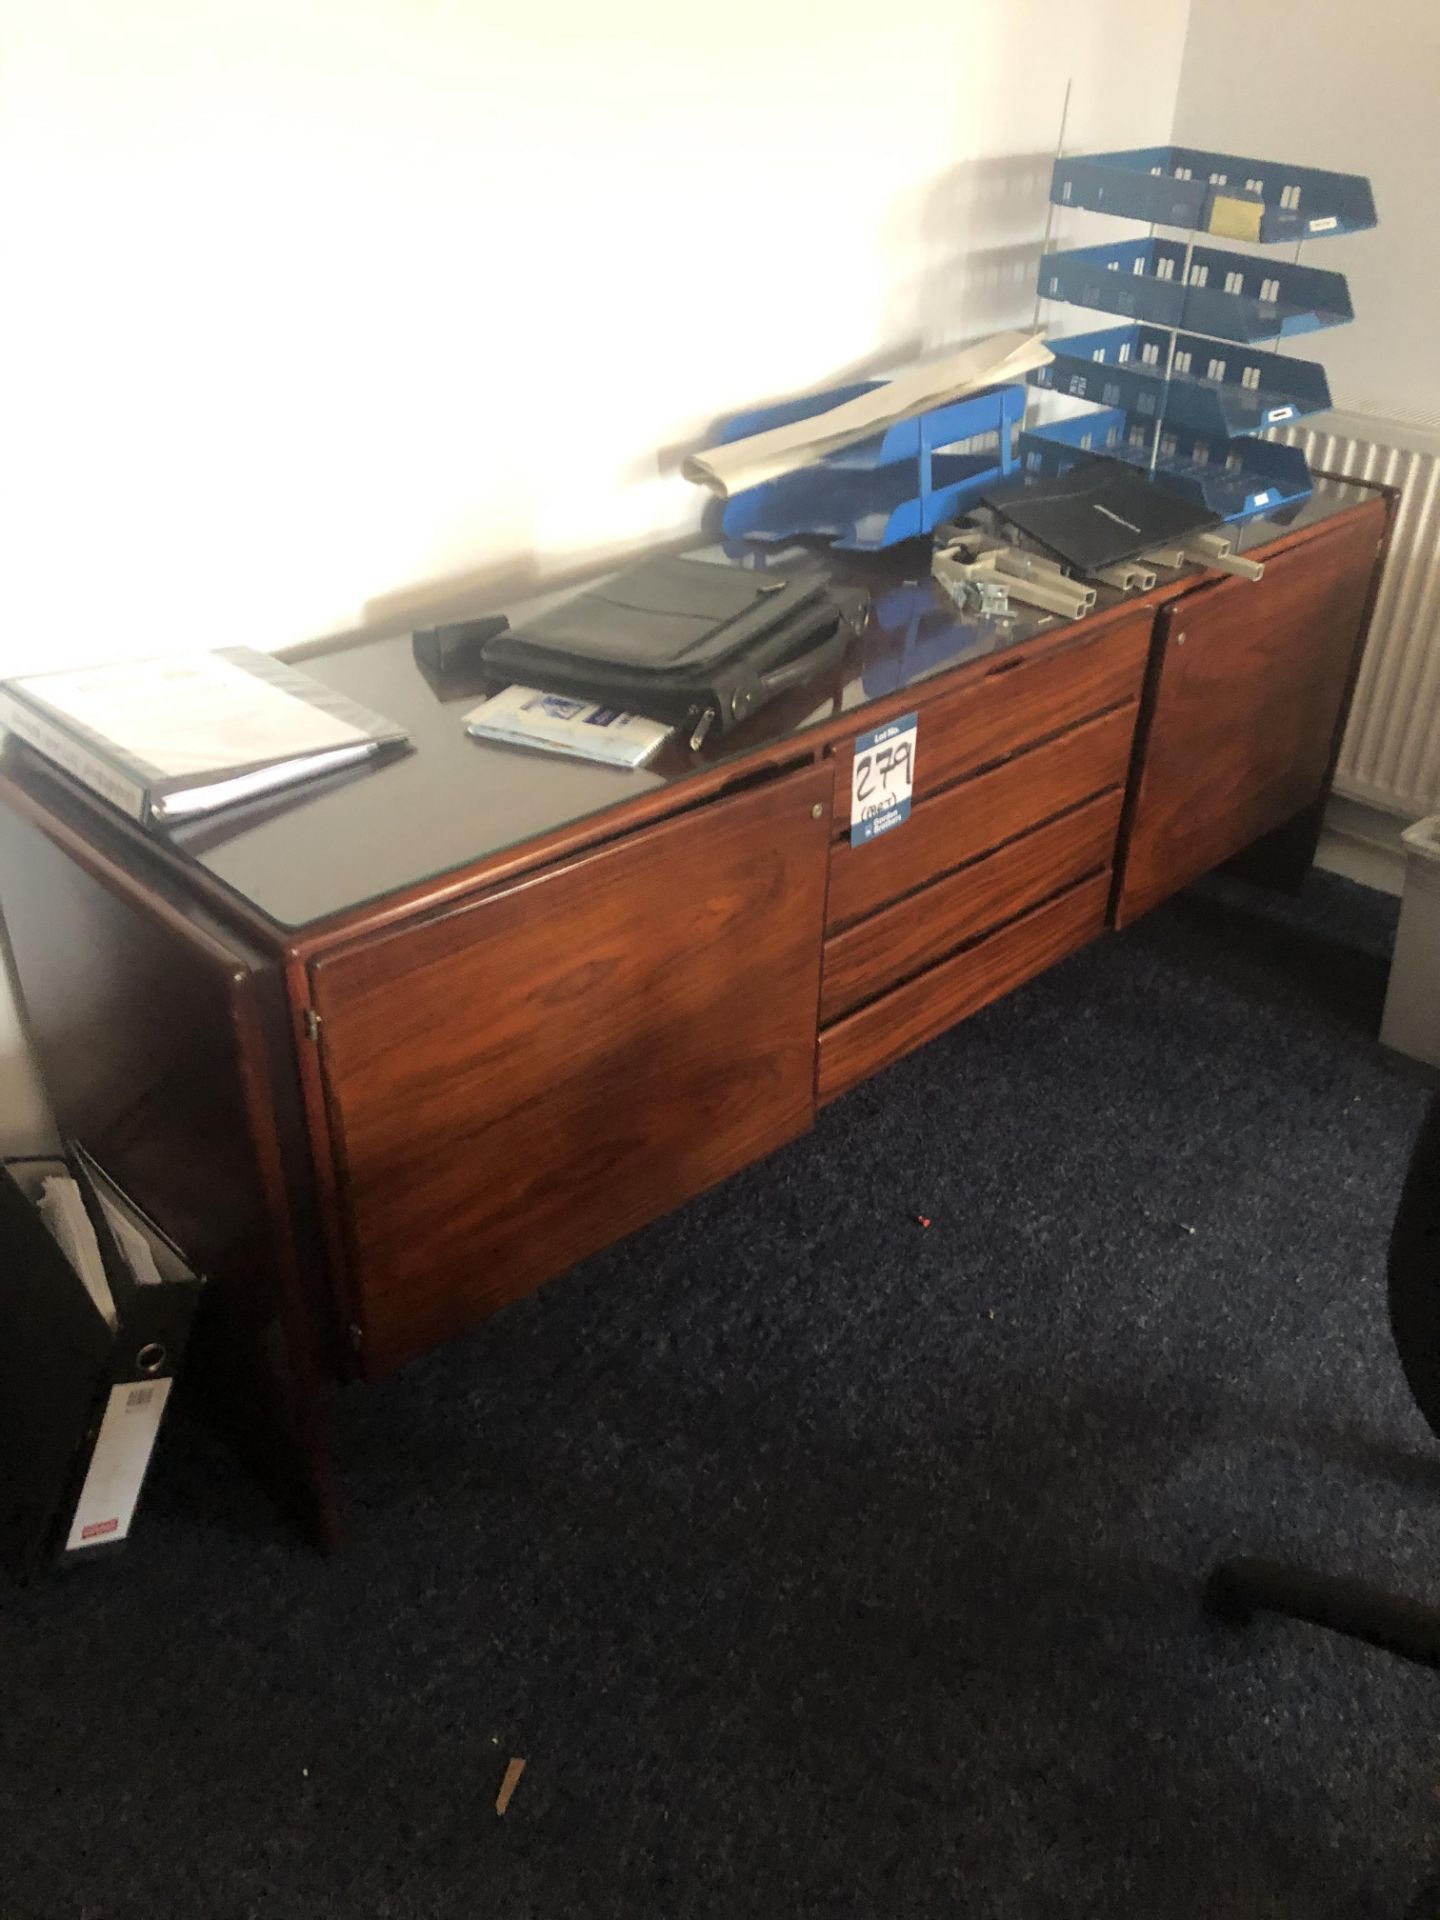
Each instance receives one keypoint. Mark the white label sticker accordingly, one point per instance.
(1280, 413)
(1260, 499)
(883, 779)
(122, 1452)
(1324, 226)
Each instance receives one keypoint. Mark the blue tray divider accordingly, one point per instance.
(1229, 195)
(891, 487)
(1216, 386)
(1235, 296)
(1234, 478)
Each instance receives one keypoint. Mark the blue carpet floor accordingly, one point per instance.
(819, 1562)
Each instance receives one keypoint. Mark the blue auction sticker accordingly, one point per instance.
(883, 779)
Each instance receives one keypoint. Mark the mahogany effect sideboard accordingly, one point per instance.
(389, 1053)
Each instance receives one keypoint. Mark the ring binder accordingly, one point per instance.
(84, 1380)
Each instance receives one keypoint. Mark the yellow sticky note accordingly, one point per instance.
(1235, 219)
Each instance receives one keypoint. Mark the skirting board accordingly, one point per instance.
(1363, 843)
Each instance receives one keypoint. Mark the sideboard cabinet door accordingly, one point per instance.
(1245, 699)
(518, 1082)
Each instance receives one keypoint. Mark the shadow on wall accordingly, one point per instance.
(976, 234)
(461, 596)
(496, 587)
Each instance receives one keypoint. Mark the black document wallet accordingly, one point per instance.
(83, 1381)
(1099, 513)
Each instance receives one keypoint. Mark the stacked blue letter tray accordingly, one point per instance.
(1234, 478)
(1219, 193)
(888, 488)
(1185, 382)
(1238, 296)
(1211, 385)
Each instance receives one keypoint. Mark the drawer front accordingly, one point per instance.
(1014, 705)
(864, 1042)
(521, 1081)
(967, 820)
(902, 940)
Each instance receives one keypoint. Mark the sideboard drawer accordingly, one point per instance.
(969, 819)
(901, 940)
(873, 1037)
(1014, 705)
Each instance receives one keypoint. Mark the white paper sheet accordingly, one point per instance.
(63, 1211)
(134, 1247)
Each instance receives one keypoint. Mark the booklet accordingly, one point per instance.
(526, 717)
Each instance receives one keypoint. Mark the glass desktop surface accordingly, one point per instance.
(346, 840)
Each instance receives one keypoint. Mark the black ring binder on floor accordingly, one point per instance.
(82, 1395)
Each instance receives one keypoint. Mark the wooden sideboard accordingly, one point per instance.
(392, 1053)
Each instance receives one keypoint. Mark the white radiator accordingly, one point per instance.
(1391, 753)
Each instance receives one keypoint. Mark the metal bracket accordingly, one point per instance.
(1214, 550)
(1127, 574)
(1030, 579)
(1036, 571)
(1052, 592)
(992, 599)
(1218, 544)
(1228, 562)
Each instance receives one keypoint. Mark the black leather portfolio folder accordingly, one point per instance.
(1099, 513)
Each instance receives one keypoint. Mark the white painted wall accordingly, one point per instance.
(1333, 83)
(304, 301)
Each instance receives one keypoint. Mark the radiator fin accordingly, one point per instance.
(1391, 753)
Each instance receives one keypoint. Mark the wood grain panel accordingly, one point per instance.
(969, 819)
(1015, 705)
(1283, 857)
(161, 1037)
(1240, 727)
(899, 941)
(880, 1033)
(525, 1080)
